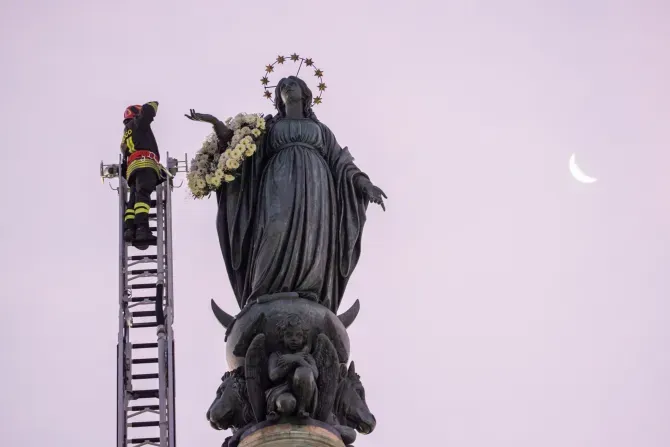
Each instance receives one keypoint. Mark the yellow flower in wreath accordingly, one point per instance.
(232, 164)
(236, 153)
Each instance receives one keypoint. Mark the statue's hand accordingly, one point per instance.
(373, 193)
(195, 116)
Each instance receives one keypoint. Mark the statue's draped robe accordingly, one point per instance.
(292, 222)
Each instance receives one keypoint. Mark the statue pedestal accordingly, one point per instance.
(290, 435)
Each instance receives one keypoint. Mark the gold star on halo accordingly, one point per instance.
(309, 62)
(295, 57)
(317, 100)
(318, 73)
(269, 68)
(267, 94)
(322, 87)
(281, 59)
(265, 80)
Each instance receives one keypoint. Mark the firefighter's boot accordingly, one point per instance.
(144, 237)
(129, 232)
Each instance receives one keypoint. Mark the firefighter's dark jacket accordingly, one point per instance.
(138, 139)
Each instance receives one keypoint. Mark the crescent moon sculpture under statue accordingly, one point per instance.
(578, 174)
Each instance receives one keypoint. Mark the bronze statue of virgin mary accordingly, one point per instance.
(293, 219)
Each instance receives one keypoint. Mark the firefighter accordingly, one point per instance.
(142, 171)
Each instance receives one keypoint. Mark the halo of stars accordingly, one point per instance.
(295, 58)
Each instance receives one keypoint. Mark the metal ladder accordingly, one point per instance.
(145, 349)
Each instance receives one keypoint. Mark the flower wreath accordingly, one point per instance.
(211, 166)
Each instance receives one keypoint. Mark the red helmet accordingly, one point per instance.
(131, 112)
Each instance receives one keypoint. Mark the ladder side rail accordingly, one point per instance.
(172, 440)
(160, 330)
(121, 429)
(162, 392)
(160, 236)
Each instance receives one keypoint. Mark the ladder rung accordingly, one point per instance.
(141, 440)
(144, 424)
(145, 376)
(143, 286)
(141, 361)
(139, 299)
(140, 325)
(141, 257)
(142, 407)
(143, 313)
(147, 243)
(144, 394)
(144, 345)
(140, 271)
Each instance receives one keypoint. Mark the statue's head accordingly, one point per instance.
(293, 332)
(350, 406)
(230, 407)
(291, 90)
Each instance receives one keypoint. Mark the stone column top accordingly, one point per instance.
(290, 435)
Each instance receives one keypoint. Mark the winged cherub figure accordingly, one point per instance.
(294, 380)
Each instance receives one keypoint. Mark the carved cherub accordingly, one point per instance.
(294, 379)
(292, 371)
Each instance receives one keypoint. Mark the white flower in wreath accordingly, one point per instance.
(232, 164)
(216, 181)
(256, 133)
(236, 153)
(238, 120)
(202, 163)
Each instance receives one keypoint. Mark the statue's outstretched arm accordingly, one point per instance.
(223, 133)
(341, 158)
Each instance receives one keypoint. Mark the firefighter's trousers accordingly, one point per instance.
(142, 183)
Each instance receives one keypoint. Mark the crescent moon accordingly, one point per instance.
(578, 174)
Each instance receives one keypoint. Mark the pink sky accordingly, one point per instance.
(503, 303)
